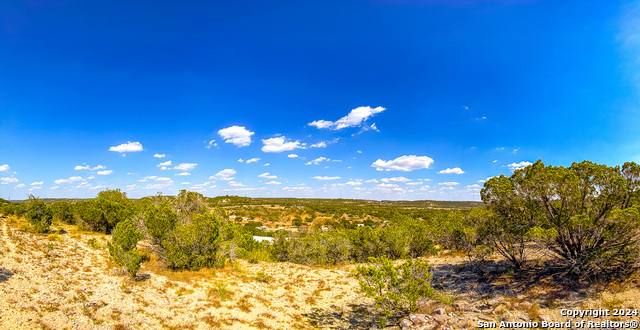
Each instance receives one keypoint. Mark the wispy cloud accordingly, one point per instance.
(355, 118)
(280, 144)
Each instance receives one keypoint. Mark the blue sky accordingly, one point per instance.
(379, 99)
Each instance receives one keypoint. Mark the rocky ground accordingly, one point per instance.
(63, 280)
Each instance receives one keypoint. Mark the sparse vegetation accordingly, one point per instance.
(395, 289)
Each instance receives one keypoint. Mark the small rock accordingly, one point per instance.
(441, 319)
(406, 324)
(493, 302)
(440, 311)
(545, 318)
(525, 305)
(418, 319)
(485, 318)
(500, 309)
(464, 306)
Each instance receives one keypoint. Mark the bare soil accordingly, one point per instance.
(64, 280)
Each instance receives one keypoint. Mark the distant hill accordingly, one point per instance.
(238, 201)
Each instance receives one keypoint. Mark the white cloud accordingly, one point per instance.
(303, 189)
(292, 156)
(54, 187)
(183, 173)
(39, 183)
(201, 185)
(474, 186)
(159, 155)
(185, 166)
(403, 163)
(448, 183)
(455, 170)
(325, 178)
(267, 164)
(156, 178)
(157, 186)
(127, 147)
(240, 160)
(355, 118)
(4, 167)
(250, 189)
(414, 183)
(225, 175)
(372, 181)
(354, 183)
(273, 182)
(34, 188)
(267, 176)
(396, 179)
(318, 161)
(252, 160)
(79, 167)
(515, 166)
(387, 185)
(237, 135)
(280, 144)
(8, 180)
(210, 144)
(69, 180)
(235, 184)
(107, 172)
(321, 123)
(321, 144)
(99, 167)
(164, 165)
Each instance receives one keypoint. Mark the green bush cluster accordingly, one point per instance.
(122, 247)
(402, 238)
(38, 214)
(395, 289)
(185, 234)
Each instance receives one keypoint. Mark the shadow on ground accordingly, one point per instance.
(142, 277)
(5, 274)
(353, 317)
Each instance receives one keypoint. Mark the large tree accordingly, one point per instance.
(585, 213)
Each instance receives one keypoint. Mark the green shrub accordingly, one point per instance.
(194, 245)
(263, 278)
(104, 212)
(122, 247)
(38, 214)
(395, 289)
(62, 212)
(160, 221)
(220, 291)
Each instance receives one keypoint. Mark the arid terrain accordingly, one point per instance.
(64, 280)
